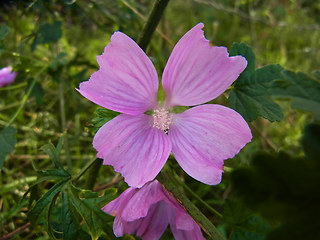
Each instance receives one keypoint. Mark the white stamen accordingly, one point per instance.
(162, 119)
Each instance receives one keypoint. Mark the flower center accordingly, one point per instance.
(162, 119)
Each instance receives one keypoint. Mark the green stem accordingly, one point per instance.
(93, 174)
(64, 124)
(170, 183)
(13, 87)
(83, 170)
(166, 176)
(26, 96)
(189, 190)
(153, 20)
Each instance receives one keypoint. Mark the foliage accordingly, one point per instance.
(250, 95)
(275, 190)
(7, 142)
(103, 116)
(76, 203)
(302, 90)
(269, 190)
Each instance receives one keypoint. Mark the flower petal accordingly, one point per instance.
(147, 212)
(6, 76)
(182, 224)
(194, 234)
(126, 82)
(155, 223)
(196, 72)
(150, 194)
(116, 208)
(133, 147)
(203, 136)
(140, 211)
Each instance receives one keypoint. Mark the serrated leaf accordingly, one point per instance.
(303, 91)
(4, 30)
(243, 223)
(278, 185)
(245, 51)
(250, 96)
(52, 174)
(48, 223)
(54, 153)
(106, 113)
(254, 228)
(103, 116)
(7, 142)
(44, 176)
(41, 208)
(71, 228)
(47, 33)
(235, 213)
(89, 209)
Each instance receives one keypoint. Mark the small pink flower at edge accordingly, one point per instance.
(6, 76)
(147, 212)
(201, 138)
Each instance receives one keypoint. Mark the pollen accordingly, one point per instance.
(114, 213)
(162, 119)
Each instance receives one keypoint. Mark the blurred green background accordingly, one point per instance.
(68, 35)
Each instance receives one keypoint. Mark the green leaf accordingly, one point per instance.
(60, 60)
(89, 208)
(254, 228)
(54, 153)
(48, 223)
(245, 51)
(278, 185)
(103, 116)
(303, 91)
(13, 211)
(38, 92)
(250, 96)
(7, 142)
(52, 174)
(4, 30)
(71, 228)
(41, 208)
(47, 33)
(243, 223)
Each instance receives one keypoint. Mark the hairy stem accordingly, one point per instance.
(170, 183)
(153, 20)
(189, 190)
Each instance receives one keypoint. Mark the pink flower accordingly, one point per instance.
(6, 76)
(147, 212)
(136, 144)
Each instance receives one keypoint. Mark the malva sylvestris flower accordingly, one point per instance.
(147, 212)
(136, 144)
(6, 76)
